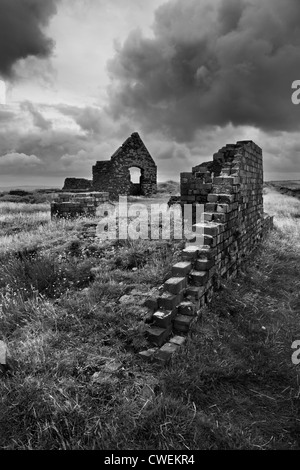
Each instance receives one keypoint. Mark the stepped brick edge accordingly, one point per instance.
(233, 224)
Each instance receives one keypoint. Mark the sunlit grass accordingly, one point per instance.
(281, 206)
(286, 211)
(38, 231)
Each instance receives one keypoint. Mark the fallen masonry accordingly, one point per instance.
(70, 205)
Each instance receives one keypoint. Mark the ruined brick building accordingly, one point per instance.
(230, 190)
(113, 176)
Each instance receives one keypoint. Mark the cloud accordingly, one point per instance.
(89, 118)
(50, 145)
(6, 115)
(19, 161)
(38, 119)
(65, 150)
(22, 24)
(172, 151)
(210, 64)
(96, 121)
(36, 71)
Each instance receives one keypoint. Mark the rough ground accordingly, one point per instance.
(78, 383)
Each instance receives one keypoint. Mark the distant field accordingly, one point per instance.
(44, 195)
(292, 185)
(27, 188)
(63, 315)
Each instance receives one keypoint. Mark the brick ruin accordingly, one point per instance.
(113, 176)
(230, 187)
(111, 179)
(233, 224)
(72, 204)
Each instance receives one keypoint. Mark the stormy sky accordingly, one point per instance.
(188, 75)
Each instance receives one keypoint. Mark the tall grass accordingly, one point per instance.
(286, 211)
(78, 383)
(21, 209)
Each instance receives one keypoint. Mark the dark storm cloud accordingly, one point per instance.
(211, 63)
(21, 31)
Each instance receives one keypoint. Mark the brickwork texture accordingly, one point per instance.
(233, 223)
(72, 204)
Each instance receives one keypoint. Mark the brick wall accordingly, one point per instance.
(69, 205)
(232, 225)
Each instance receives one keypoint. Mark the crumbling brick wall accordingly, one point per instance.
(113, 176)
(232, 225)
(69, 205)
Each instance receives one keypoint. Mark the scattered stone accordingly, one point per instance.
(148, 354)
(127, 299)
(179, 340)
(166, 352)
(112, 366)
(101, 378)
(147, 393)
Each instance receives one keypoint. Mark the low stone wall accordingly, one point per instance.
(77, 184)
(232, 225)
(69, 205)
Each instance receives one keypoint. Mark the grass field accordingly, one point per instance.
(232, 386)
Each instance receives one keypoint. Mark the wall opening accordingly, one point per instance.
(136, 181)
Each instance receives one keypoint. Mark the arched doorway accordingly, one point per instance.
(136, 177)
